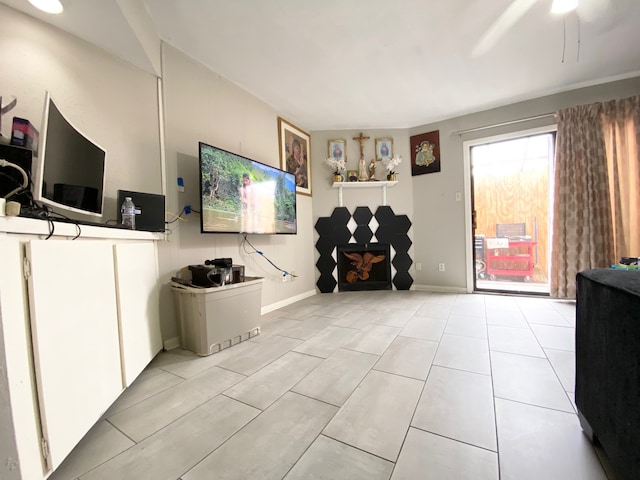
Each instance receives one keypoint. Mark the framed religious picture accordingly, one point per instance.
(425, 153)
(295, 154)
(384, 148)
(338, 149)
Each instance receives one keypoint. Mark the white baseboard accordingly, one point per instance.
(288, 301)
(171, 343)
(438, 289)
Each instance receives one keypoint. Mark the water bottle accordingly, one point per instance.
(128, 211)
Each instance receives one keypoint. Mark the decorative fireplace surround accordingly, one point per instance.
(363, 227)
(364, 267)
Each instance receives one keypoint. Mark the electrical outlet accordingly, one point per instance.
(284, 277)
(441, 267)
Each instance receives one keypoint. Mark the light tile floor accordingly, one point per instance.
(360, 385)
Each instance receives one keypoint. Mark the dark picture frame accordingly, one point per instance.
(294, 142)
(425, 153)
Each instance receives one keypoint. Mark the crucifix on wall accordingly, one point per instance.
(363, 176)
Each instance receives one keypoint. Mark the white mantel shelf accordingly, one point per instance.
(382, 185)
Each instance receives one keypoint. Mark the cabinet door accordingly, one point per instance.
(75, 337)
(19, 418)
(138, 306)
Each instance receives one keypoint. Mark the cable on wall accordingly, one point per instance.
(246, 242)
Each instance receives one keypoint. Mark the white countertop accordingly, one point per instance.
(34, 226)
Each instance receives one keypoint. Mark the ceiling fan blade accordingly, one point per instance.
(502, 25)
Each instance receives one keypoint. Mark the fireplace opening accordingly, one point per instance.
(364, 266)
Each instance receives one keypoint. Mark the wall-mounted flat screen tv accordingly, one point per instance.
(240, 195)
(70, 169)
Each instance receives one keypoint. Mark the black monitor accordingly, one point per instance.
(70, 170)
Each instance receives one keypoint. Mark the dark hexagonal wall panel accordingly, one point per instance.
(402, 261)
(340, 216)
(325, 245)
(363, 234)
(402, 224)
(326, 264)
(324, 226)
(392, 229)
(326, 283)
(385, 234)
(385, 215)
(362, 215)
(403, 281)
(341, 235)
(401, 243)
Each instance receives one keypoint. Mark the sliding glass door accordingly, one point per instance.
(511, 193)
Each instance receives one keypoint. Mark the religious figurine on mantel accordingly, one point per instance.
(363, 176)
(372, 170)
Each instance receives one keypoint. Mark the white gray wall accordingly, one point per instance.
(439, 232)
(202, 106)
(109, 100)
(439, 225)
(116, 104)
(326, 198)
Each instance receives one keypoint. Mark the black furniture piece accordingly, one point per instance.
(608, 364)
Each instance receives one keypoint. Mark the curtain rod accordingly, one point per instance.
(477, 129)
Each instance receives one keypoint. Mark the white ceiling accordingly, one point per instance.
(353, 64)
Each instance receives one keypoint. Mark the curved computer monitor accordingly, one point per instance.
(70, 168)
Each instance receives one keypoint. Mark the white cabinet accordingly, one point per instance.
(76, 347)
(24, 435)
(80, 329)
(138, 296)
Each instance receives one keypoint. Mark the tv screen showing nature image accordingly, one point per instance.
(240, 195)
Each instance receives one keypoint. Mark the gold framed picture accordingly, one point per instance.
(338, 149)
(295, 154)
(384, 148)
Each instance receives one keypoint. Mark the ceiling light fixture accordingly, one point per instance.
(563, 6)
(48, 6)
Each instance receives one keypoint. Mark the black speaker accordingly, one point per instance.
(220, 262)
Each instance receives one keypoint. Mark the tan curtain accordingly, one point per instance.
(595, 214)
(621, 119)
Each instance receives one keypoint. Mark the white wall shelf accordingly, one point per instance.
(382, 185)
